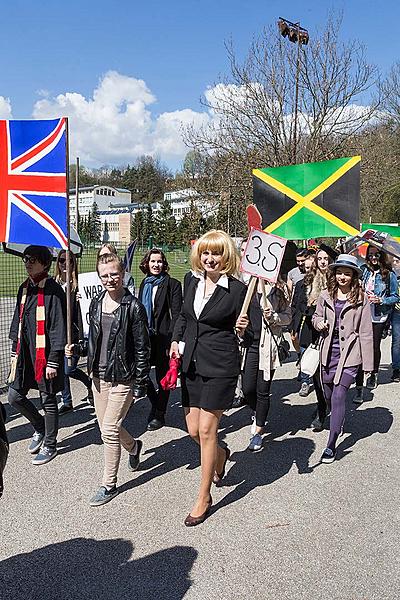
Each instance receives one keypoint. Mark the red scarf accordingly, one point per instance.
(40, 357)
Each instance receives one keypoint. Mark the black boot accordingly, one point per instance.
(156, 422)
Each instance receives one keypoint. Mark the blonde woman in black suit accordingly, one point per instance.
(211, 326)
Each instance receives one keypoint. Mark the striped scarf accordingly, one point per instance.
(40, 358)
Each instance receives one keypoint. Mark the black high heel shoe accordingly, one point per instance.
(218, 477)
(193, 521)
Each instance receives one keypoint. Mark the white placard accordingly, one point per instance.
(263, 255)
(89, 286)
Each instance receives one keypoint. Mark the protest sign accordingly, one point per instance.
(263, 255)
(89, 287)
(262, 260)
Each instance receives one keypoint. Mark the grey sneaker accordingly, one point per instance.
(45, 455)
(305, 389)
(134, 458)
(359, 396)
(36, 442)
(328, 456)
(103, 495)
(256, 442)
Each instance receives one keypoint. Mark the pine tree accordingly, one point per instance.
(166, 229)
(95, 225)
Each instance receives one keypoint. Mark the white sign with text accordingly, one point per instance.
(89, 286)
(263, 255)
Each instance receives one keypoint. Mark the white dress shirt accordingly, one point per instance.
(200, 300)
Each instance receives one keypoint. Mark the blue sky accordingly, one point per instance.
(177, 48)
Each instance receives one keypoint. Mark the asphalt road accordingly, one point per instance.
(283, 526)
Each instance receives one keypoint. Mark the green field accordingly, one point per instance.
(12, 270)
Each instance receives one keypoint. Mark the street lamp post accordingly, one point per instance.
(298, 34)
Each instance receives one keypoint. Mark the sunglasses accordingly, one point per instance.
(29, 259)
(62, 260)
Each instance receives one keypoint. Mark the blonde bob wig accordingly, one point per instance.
(217, 242)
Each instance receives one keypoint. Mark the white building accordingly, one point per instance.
(116, 222)
(105, 196)
(181, 202)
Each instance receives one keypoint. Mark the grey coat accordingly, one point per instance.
(355, 333)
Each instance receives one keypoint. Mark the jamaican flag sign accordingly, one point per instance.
(320, 199)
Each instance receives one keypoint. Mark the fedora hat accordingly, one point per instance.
(346, 260)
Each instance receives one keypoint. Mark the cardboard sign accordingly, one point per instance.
(263, 255)
(89, 287)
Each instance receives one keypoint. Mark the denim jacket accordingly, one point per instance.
(388, 293)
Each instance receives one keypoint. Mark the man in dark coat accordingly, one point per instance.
(37, 362)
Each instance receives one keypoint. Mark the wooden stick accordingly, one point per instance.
(249, 294)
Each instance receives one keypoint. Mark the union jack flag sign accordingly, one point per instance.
(33, 183)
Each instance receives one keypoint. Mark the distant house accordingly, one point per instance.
(104, 196)
(182, 200)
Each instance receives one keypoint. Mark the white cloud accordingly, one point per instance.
(5, 108)
(116, 125)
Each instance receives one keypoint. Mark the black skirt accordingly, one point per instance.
(209, 393)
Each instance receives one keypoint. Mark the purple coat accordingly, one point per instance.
(355, 333)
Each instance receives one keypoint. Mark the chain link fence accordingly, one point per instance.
(13, 273)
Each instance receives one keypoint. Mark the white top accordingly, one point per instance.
(200, 300)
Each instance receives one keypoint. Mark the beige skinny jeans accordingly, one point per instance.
(112, 402)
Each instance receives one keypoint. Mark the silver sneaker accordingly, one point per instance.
(305, 389)
(36, 442)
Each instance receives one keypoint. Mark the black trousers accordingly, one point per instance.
(47, 424)
(377, 332)
(256, 390)
(158, 398)
(319, 392)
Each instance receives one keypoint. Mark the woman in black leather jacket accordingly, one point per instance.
(119, 364)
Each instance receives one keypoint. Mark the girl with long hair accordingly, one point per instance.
(161, 295)
(211, 327)
(380, 285)
(71, 366)
(343, 318)
(269, 312)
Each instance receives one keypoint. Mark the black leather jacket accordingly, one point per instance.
(128, 354)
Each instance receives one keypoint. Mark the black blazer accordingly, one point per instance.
(211, 339)
(167, 306)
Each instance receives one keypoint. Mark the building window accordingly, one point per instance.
(168, 196)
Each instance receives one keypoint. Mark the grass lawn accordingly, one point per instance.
(12, 270)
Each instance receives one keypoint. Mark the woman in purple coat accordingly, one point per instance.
(343, 317)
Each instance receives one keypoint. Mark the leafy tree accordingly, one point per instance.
(165, 231)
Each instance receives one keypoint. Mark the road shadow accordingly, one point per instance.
(362, 424)
(87, 569)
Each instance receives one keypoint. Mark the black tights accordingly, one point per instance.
(255, 389)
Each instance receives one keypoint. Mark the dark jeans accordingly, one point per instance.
(158, 398)
(47, 424)
(256, 390)
(377, 331)
(75, 373)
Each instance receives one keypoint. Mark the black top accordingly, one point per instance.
(128, 351)
(212, 336)
(55, 329)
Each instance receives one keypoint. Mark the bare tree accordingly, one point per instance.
(253, 108)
